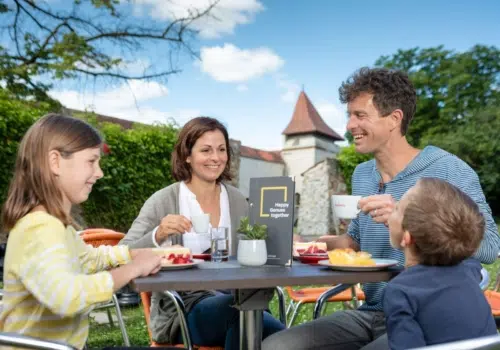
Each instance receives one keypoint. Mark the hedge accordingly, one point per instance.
(137, 166)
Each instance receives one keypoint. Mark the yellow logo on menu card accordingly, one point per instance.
(277, 188)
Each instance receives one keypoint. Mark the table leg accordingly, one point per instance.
(251, 329)
(252, 303)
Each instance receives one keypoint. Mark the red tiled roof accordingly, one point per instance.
(267, 156)
(306, 119)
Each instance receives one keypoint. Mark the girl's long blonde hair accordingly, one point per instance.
(33, 183)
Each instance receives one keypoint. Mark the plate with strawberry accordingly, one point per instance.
(176, 258)
(181, 264)
(312, 253)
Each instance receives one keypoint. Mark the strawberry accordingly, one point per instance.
(171, 256)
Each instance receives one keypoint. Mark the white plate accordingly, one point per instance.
(182, 266)
(381, 264)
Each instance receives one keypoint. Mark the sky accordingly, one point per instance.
(258, 55)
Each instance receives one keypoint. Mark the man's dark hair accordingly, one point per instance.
(391, 89)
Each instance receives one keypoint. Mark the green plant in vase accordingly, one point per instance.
(252, 232)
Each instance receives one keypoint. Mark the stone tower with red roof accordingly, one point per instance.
(307, 140)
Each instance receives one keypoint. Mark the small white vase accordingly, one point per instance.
(252, 252)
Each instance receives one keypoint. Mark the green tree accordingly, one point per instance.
(85, 38)
(451, 86)
(458, 106)
(478, 144)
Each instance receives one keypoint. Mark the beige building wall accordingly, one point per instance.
(250, 167)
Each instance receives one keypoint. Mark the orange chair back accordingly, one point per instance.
(493, 299)
(146, 304)
(98, 237)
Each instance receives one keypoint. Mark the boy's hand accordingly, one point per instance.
(379, 206)
(145, 262)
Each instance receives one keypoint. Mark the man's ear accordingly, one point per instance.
(395, 119)
(55, 162)
(406, 240)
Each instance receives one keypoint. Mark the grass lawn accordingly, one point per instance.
(106, 335)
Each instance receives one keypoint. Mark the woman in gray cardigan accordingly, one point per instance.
(201, 161)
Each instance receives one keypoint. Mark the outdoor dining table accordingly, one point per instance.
(253, 287)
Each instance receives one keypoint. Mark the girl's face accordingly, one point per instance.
(209, 156)
(77, 174)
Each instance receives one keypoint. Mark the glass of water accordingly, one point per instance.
(219, 244)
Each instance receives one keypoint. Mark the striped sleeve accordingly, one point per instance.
(48, 272)
(101, 258)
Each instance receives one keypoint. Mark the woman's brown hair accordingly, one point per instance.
(33, 183)
(188, 136)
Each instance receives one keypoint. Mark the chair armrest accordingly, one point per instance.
(318, 307)
(181, 311)
(485, 279)
(281, 305)
(491, 342)
(25, 342)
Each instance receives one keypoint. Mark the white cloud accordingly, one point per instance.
(242, 87)
(229, 63)
(122, 101)
(333, 115)
(290, 89)
(223, 18)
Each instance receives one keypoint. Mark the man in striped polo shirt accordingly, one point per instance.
(381, 104)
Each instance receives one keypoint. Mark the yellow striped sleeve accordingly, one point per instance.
(101, 258)
(48, 272)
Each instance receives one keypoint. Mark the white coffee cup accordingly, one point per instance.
(201, 222)
(345, 207)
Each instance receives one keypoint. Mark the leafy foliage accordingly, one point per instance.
(252, 232)
(348, 160)
(16, 117)
(451, 86)
(478, 144)
(137, 166)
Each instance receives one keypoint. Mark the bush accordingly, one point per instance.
(138, 165)
(348, 160)
(16, 117)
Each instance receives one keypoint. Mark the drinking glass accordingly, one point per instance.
(219, 244)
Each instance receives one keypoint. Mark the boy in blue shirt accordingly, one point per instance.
(437, 298)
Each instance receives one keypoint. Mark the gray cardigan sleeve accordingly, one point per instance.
(158, 206)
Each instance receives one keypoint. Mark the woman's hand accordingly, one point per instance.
(379, 206)
(172, 224)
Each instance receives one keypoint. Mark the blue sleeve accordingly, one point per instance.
(468, 181)
(403, 330)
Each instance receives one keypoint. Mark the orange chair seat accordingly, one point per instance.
(311, 295)
(146, 305)
(494, 301)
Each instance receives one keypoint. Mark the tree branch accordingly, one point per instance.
(125, 76)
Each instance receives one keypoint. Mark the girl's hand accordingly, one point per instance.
(145, 262)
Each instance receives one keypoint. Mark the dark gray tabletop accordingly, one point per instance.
(229, 275)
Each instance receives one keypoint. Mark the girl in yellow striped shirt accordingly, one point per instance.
(52, 279)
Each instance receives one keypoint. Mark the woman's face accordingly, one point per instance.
(208, 157)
